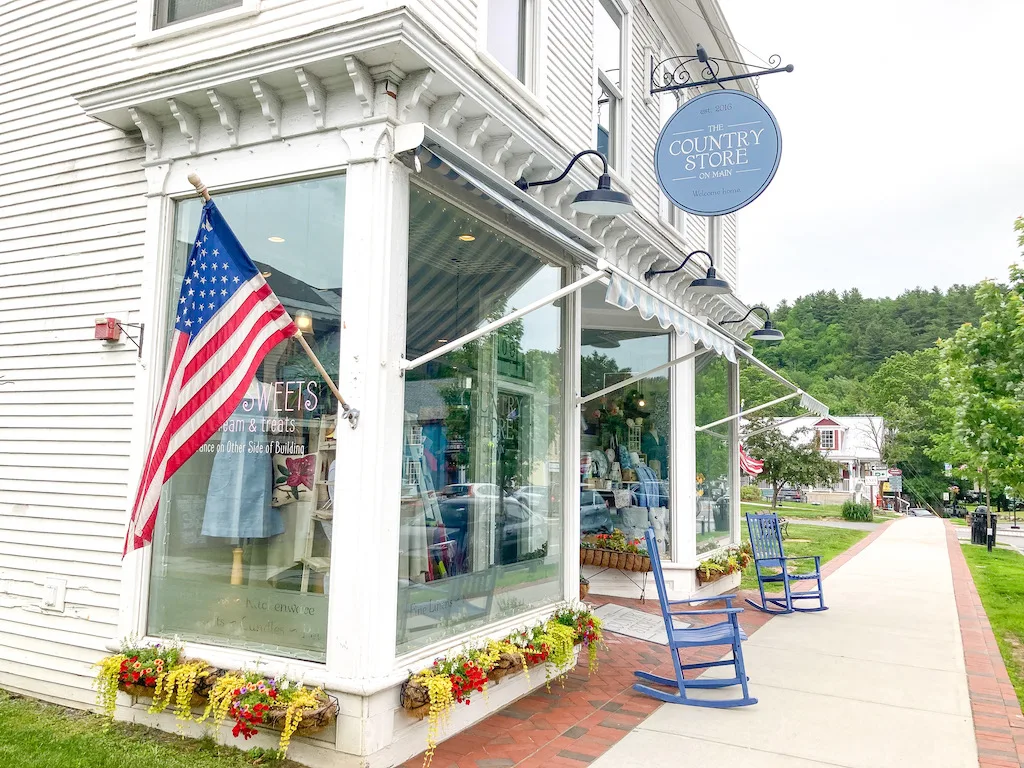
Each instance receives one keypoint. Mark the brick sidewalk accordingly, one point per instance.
(998, 722)
(573, 725)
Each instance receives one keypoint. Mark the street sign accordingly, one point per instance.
(896, 483)
(886, 488)
(893, 472)
(718, 152)
(945, 495)
(880, 472)
(947, 468)
(871, 481)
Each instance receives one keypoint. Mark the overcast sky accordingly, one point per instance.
(902, 145)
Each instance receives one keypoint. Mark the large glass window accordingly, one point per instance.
(243, 542)
(625, 434)
(507, 31)
(481, 507)
(711, 402)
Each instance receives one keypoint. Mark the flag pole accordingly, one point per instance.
(348, 412)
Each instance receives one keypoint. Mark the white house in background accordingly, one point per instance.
(853, 442)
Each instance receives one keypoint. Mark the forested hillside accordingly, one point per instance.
(836, 342)
(878, 356)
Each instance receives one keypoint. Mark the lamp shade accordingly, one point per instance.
(304, 320)
(603, 201)
(768, 333)
(710, 284)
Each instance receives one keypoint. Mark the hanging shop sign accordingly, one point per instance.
(718, 152)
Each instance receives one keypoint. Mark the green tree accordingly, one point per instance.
(982, 369)
(788, 460)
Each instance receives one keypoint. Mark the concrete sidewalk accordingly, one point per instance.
(878, 680)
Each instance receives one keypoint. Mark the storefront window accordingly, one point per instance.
(242, 550)
(481, 507)
(712, 453)
(626, 434)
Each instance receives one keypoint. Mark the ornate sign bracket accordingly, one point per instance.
(672, 74)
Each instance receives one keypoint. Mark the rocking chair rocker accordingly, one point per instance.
(726, 632)
(766, 543)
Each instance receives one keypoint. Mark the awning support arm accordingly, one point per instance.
(771, 426)
(444, 349)
(822, 411)
(640, 376)
(761, 407)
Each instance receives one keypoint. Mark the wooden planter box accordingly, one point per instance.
(607, 558)
(311, 722)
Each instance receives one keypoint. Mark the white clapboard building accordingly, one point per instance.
(364, 152)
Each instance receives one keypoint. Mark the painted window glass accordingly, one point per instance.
(506, 34)
(625, 436)
(481, 506)
(828, 439)
(711, 402)
(173, 11)
(242, 550)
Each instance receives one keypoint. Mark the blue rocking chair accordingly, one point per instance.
(766, 543)
(726, 632)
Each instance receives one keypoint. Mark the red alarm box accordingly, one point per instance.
(107, 329)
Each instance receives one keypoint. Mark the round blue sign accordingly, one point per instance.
(718, 152)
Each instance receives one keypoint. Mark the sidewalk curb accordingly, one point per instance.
(998, 722)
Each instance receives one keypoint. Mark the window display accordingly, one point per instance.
(242, 549)
(711, 402)
(481, 508)
(625, 434)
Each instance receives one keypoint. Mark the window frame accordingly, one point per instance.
(832, 439)
(532, 45)
(670, 215)
(147, 12)
(618, 118)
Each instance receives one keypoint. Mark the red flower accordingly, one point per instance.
(300, 471)
(150, 681)
(135, 677)
(272, 693)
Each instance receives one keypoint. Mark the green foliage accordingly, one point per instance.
(857, 512)
(750, 493)
(982, 370)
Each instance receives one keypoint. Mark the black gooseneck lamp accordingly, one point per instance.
(603, 201)
(712, 283)
(768, 333)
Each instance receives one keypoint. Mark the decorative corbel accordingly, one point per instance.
(362, 82)
(496, 149)
(227, 112)
(149, 127)
(270, 104)
(636, 251)
(188, 123)
(471, 131)
(444, 110)
(560, 193)
(601, 226)
(316, 96)
(412, 89)
(518, 165)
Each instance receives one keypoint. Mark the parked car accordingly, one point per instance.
(515, 524)
(789, 494)
(471, 489)
(919, 512)
(595, 517)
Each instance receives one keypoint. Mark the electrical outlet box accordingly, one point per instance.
(53, 595)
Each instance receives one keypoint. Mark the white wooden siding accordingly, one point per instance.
(646, 113)
(71, 229)
(570, 53)
(730, 261)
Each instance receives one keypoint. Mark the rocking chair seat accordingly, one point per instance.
(791, 576)
(715, 634)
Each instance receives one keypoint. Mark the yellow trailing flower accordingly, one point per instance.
(442, 700)
(106, 682)
(178, 686)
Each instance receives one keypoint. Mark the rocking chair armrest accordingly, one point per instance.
(801, 557)
(702, 599)
(709, 612)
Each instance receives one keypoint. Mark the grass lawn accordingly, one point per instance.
(807, 540)
(794, 510)
(37, 735)
(999, 577)
(959, 521)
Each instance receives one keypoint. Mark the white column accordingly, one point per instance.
(733, 383)
(683, 473)
(572, 325)
(364, 573)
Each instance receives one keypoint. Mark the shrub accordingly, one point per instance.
(750, 493)
(857, 512)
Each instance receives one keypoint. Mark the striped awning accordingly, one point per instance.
(626, 295)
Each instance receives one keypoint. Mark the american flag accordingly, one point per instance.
(227, 320)
(749, 465)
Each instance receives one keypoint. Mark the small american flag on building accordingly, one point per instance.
(749, 465)
(227, 320)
